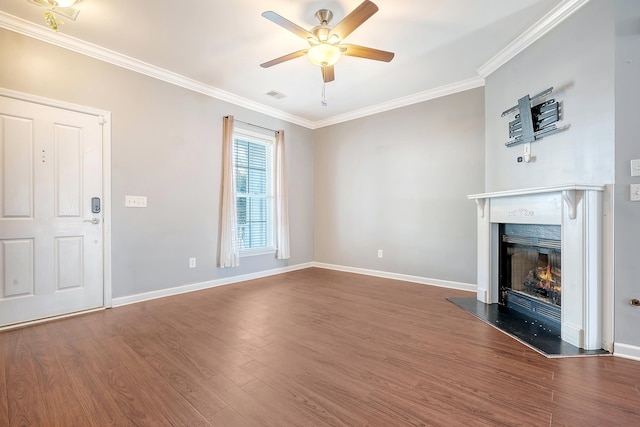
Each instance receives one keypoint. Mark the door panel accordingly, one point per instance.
(17, 263)
(68, 168)
(69, 262)
(51, 252)
(17, 165)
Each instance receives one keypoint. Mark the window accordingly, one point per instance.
(253, 166)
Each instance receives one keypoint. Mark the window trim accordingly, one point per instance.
(269, 141)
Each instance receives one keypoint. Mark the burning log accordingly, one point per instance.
(545, 282)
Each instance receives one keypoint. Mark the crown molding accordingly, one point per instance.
(41, 33)
(558, 14)
(404, 101)
(539, 29)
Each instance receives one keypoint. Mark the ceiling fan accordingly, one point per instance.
(325, 41)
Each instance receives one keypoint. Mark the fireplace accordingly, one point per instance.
(530, 271)
(541, 249)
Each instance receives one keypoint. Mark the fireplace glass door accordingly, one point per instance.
(530, 278)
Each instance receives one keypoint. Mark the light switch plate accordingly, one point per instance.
(634, 192)
(635, 167)
(135, 201)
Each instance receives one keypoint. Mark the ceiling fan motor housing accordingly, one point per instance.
(321, 32)
(324, 16)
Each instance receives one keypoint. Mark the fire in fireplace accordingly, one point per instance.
(545, 283)
(530, 270)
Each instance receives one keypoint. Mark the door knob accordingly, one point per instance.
(92, 220)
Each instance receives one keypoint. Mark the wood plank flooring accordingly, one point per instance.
(308, 348)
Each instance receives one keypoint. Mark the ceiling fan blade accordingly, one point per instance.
(354, 19)
(328, 74)
(366, 52)
(284, 58)
(287, 25)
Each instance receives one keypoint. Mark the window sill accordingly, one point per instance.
(257, 251)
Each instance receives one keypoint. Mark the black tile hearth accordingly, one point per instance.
(539, 336)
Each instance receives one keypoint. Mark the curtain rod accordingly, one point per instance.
(251, 124)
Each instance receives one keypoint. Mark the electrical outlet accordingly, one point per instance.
(192, 263)
(379, 253)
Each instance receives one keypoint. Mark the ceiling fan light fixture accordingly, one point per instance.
(323, 54)
(333, 39)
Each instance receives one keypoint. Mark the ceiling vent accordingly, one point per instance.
(275, 94)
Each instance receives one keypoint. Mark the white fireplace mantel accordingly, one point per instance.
(577, 208)
(567, 191)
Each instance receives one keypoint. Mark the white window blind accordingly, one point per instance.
(253, 164)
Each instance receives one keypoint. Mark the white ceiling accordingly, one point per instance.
(216, 47)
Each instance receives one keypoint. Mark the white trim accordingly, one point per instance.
(37, 99)
(539, 190)
(535, 32)
(105, 119)
(627, 351)
(608, 279)
(106, 206)
(146, 296)
(49, 319)
(257, 251)
(540, 28)
(438, 92)
(65, 41)
(82, 47)
(397, 276)
(573, 334)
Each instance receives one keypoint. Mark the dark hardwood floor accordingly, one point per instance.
(310, 348)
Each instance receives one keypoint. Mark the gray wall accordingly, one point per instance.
(398, 181)
(166, 145)
(627, 214)
(587, 59)
(577, 59)
(361, 186)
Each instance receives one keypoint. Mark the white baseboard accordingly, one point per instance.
(572, 334)
(397, 276)
(627, 351)
(146, 296)
(49, 319)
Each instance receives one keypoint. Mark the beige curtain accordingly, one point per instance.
(229, 252)
(282, 200)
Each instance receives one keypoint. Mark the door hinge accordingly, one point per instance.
(101, 120)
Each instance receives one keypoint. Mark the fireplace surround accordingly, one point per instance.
(585, 319)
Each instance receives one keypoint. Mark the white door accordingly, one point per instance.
(51, 242)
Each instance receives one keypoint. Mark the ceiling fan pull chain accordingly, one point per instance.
(324, 99)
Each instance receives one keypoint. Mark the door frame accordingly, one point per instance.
(104, 118)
